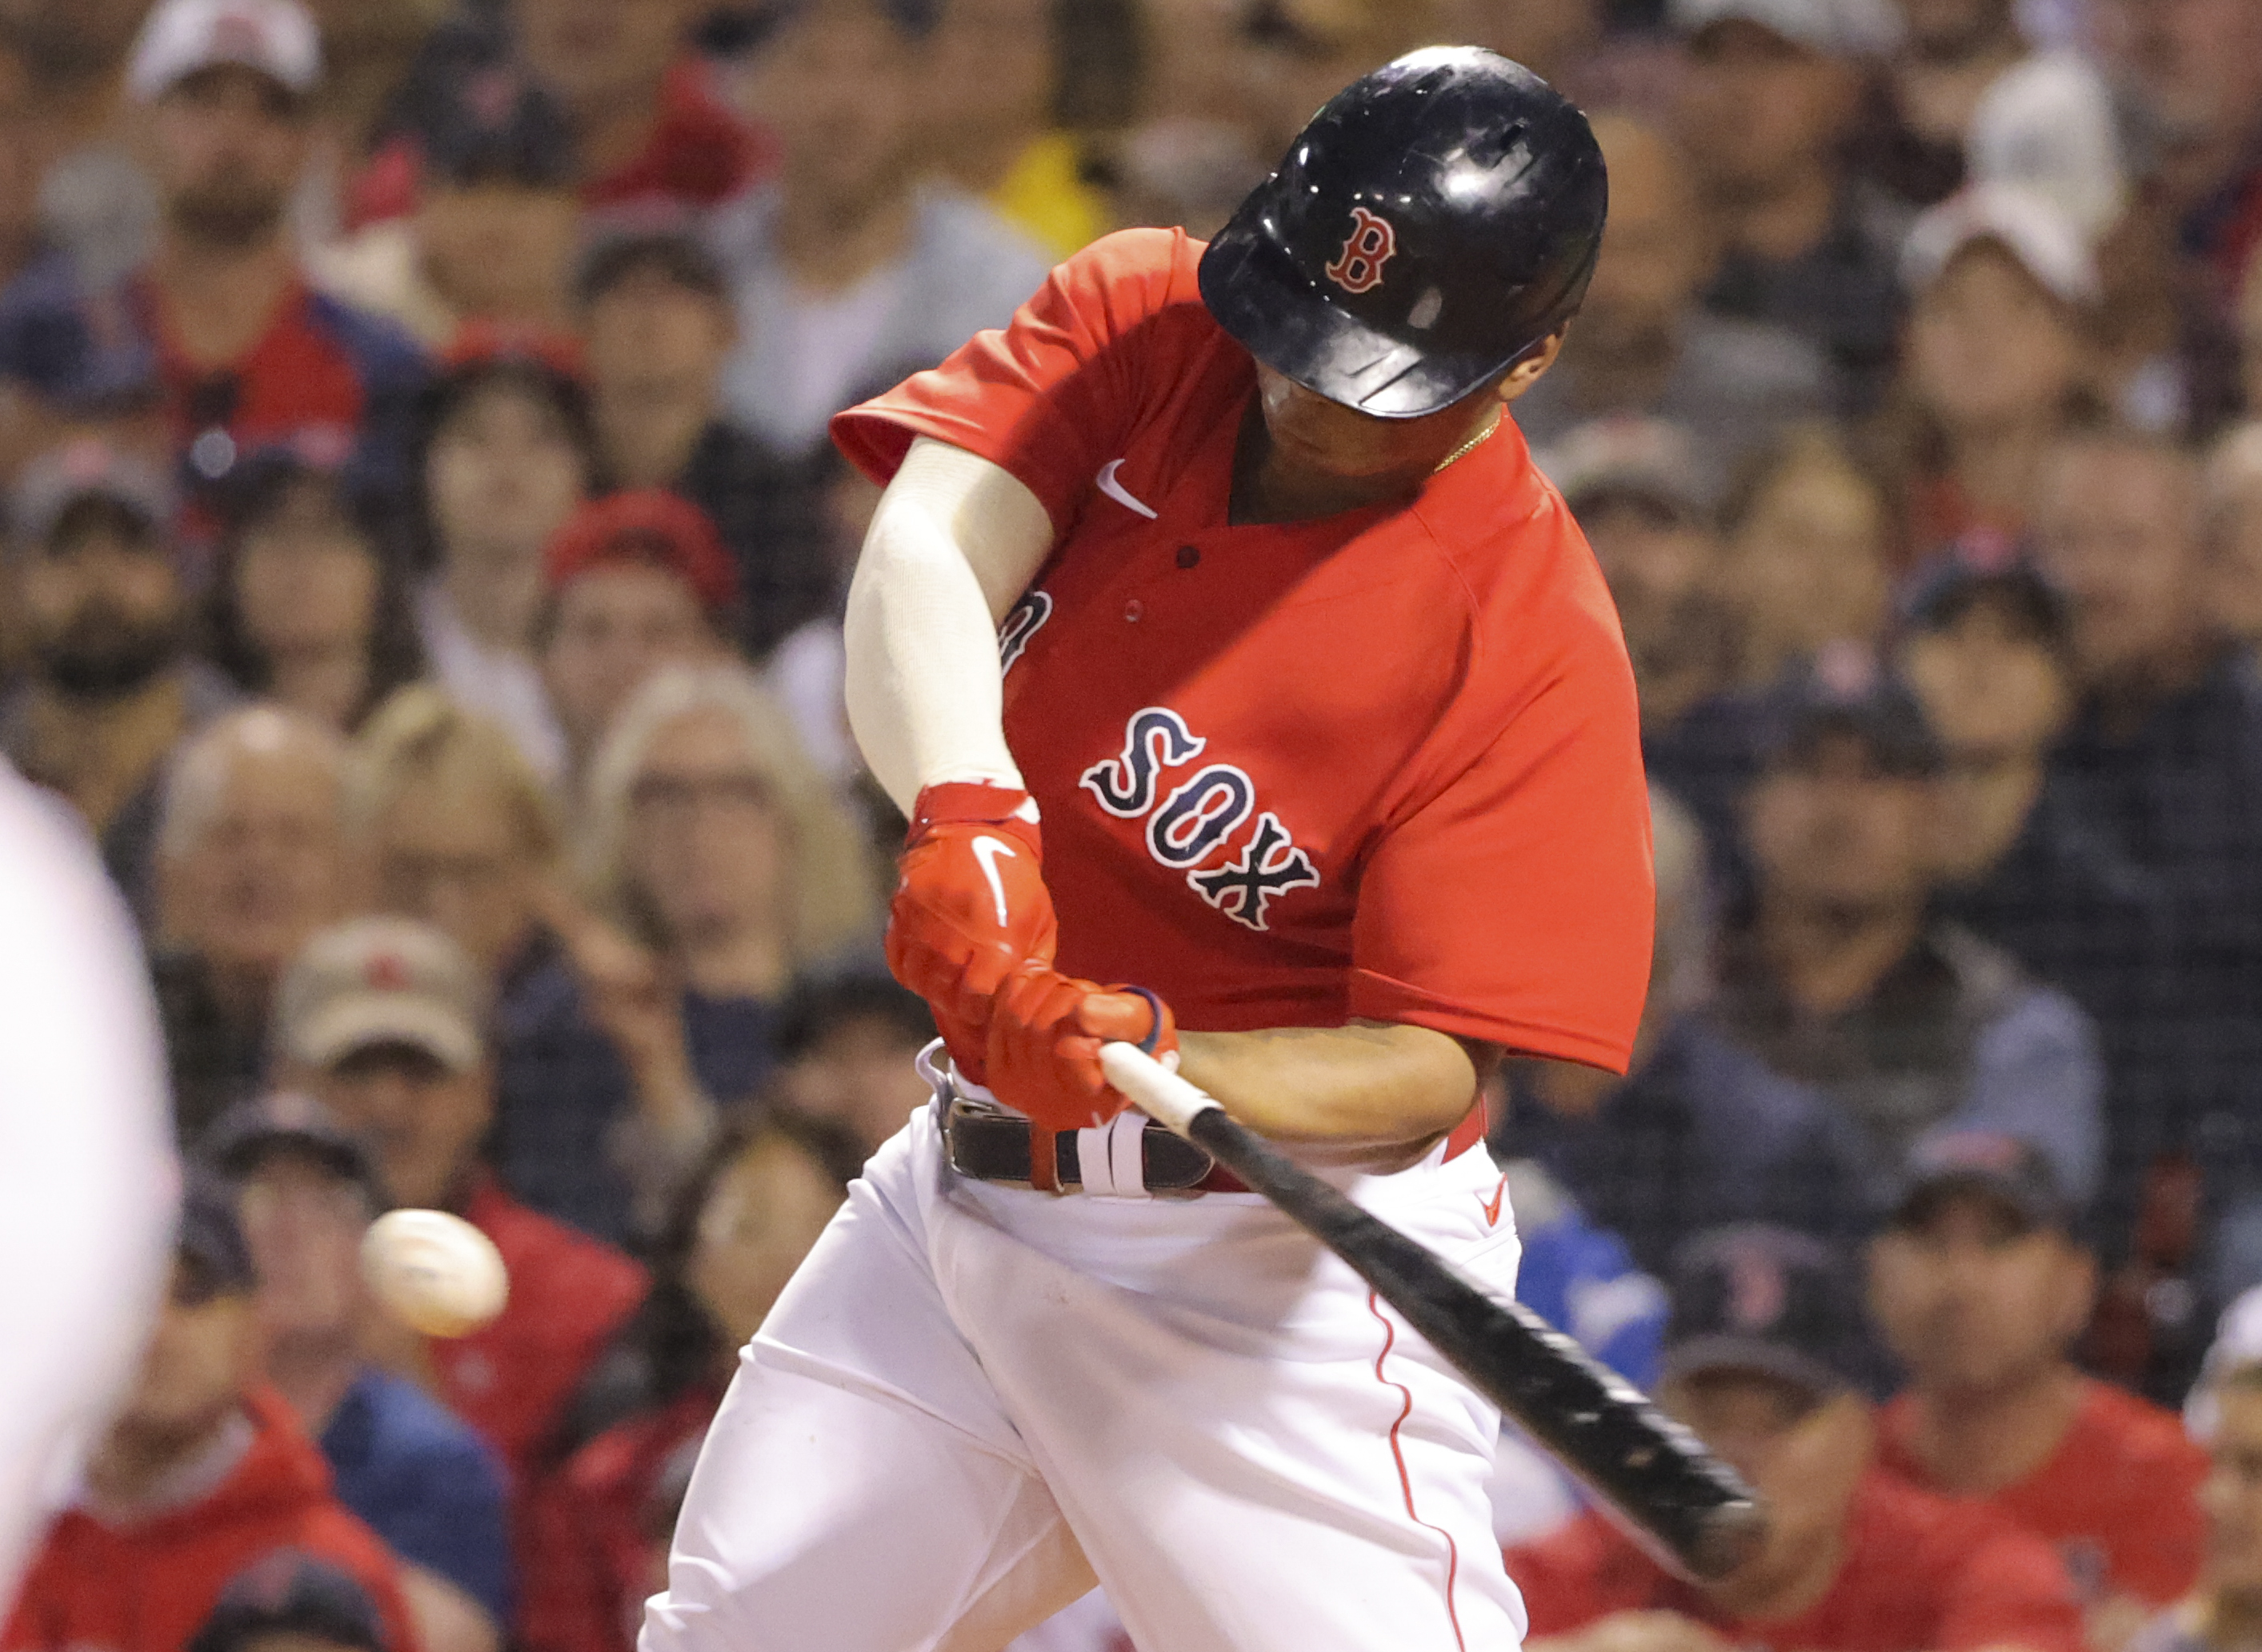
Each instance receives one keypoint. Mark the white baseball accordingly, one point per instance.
(434, 1272)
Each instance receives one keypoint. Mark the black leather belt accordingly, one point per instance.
(992, 1145)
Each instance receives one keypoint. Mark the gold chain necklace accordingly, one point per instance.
(1474, 441)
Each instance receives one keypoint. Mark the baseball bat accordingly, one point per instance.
(1688, 1509)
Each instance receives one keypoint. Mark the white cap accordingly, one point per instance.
(275, 37)
(2046, 242)
(1835, 28)
(2049, 125)
(2237, 1343)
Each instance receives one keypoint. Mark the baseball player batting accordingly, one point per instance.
(1219, 638)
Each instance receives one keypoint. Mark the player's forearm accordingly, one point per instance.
(955, 541)
(1369, 1082)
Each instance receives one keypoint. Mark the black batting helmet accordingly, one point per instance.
(1433, 222)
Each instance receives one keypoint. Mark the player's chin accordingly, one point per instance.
(1343, 461)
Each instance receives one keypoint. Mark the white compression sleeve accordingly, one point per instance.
(953, 543)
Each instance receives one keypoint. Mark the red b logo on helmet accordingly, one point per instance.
(1358, 268)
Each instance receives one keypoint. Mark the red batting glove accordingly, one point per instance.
(970, 908)
(1045, 1035)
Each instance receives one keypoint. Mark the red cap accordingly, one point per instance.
(649, 526)
(483, 340)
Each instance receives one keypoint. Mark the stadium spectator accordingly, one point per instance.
(505, 455)
(848, 1042)
(203, 1470)
(1811, 540)
(994, 72)
(721, 867)
(1551, 38)
(1980, 1287)
(306, 608)
(1770, 97)
(2224, 1415)
(1763, 1360)
(636, 581)
(1984, 645)
(111, 689)
(492, 237)
(1643, 344)
(220, 319)
(1842, 979)
(2000, 343)
(739, 1228)
(657, 323)
(34, 272)
(648, 124)
(384, 1022)
(2191, 75)
(1700, 1132)
(250, 863)
(2164, 758)
(846, 264)
(306, 1194)
(1182, 173)
(453, 828)
(2233, 496)
(1642, 499)
(289, 1601)
(1966, 99)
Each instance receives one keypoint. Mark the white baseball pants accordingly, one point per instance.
(972, 1399)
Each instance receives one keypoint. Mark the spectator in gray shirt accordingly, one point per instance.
(845, 262)
(1843, 980)
(1642, 344)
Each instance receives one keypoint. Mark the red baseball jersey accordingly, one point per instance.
(1922, 1573)
(2119, 1497)
(1384, 764)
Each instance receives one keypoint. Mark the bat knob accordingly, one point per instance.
(1728, 1535)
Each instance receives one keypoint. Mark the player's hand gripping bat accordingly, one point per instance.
(1683, 1504)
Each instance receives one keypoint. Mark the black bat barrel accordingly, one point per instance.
(1682, 1503)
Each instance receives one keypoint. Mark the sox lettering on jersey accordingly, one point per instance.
(1358, 268)
(1197, 817)
(1023, 620)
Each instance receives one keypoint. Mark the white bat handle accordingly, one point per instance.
(1157, 1092)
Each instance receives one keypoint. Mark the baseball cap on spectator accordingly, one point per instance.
(317, 453)
(677, 254)
(379, 981)
(2048, 245)
(57, 480)
(1834, 28)
(649, 526)
(1650, 462)
(2012, 1171)
(244, 1137)
(1985, 566)
(186, 37)
(209, 1241)
(1765, 1300)
(289, 1591)
(2237, 1344)
(495, 123)
(484, 344)
(1845, 689)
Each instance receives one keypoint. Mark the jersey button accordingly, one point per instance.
(1188, 555)
(1133, 610)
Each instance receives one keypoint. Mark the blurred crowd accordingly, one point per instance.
(423, 576)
